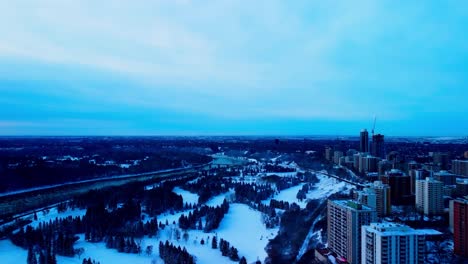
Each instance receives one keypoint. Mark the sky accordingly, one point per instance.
(266, 67)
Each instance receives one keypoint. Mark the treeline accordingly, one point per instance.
(155, 201)
(44, 165)
(227, 250)
(278, 168)
(207, 187)
(213, 217)
(55, 237)
(246, 193)
(90, 261)
(123, 244)
(174, 255)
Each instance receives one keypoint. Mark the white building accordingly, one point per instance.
(429, 196)
(393, 243)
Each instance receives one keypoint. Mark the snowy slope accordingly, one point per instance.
(243, 228)
(191, 198)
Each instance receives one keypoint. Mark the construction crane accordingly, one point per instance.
(373, 127)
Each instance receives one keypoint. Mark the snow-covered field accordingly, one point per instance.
(219, 199)
(322, 190)
(241, 226)
(328, 186)
(191, 198)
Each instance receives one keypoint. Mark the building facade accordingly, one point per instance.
(345, 219)
(378, 146)
(460, 167)
(400, 187)
(389, 243)
(430, 196)
(364, 141)
(459, 221)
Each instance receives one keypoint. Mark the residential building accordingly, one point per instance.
(390, 243)
(459, 223)
(344, 220)
(460, 167)
(429, 196)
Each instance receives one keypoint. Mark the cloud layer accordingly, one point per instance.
(232, 67)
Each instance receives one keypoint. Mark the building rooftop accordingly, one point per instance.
(462, 181)
(394, 229)
(353, 205)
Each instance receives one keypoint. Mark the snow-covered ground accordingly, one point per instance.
(281, 174)
(321, 190)
(191, 198)
(243, 228)
(328, 186)
(219, 199)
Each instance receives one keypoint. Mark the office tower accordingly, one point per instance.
(417, 174)
(460, 167)
(364, 141)
(446, 177)
(328, 153)
(429, 196)
(392, 243)
(384, 166)
(351, 152)
(344, 219)
(413, 165)
(378, 146)
(368, 164)
(400, 187)
(459, 222)
(461, 188)
(376, 196)
(384, 203)
(441, 160)
(336, 156)
(356, 158)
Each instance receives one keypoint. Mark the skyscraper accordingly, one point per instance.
(400, 187)
(429, 196)
(364, 141)
(392, 243)
(378, 146)
(460, 167)
(344, 220)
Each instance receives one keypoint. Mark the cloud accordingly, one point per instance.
(305, 60)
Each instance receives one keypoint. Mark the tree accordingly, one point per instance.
(149, 250)
(243, 261)
(214, 243)
(234, 254)
(79, 252)
(31, 256)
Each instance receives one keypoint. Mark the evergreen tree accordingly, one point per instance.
(234, 254)
(214, 243)
(31, 257)
(243, 261)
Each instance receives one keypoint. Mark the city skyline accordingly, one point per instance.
(232, 68)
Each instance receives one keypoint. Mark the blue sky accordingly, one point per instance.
(233, 67)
